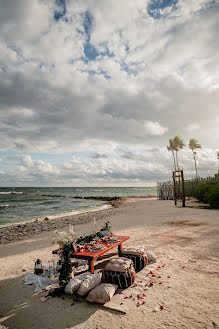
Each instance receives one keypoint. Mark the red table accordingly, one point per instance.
(91, 256)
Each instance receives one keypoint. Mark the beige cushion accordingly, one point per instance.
(138, 250)
(102, 293)
(118, 264)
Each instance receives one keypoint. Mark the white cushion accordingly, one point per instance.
(150, 256)
(74, 284)
(89, 283)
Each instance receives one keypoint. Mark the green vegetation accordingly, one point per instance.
(208, 193)
(175, 145)
(193, 145)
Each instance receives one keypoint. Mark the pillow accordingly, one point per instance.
(89, 283)
(74, 284)
(150, 256)
(102, 293)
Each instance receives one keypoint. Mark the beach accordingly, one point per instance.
(185, 240)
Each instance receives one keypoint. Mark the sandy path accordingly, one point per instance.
(186, 240)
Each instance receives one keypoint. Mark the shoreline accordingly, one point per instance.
(19, 231)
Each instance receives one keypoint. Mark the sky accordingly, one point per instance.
(91, 91)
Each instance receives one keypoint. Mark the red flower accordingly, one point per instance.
(151, 284)
(153, 275)
(168, 276)
(140, 281)
(151, 272)
(130, 296)
(159, 277)
(161, 307)
(121, 303)
(121, 292)
(160, 282)
(144, 295)
(143, 302)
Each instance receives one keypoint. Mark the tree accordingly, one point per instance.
(178, 144)
(170, 147)
(193, 145)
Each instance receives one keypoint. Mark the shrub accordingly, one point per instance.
(208, 193)
(202, 192)
(213, 197)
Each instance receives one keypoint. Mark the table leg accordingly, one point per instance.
(91, 266)
(120, 250)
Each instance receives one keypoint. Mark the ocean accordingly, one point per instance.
(21, 204)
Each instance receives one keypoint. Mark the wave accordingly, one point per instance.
(14, 192)
(2, 206)
(81, 211)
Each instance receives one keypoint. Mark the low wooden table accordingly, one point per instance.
(91, 256)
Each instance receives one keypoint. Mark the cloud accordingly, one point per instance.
(98, 156)
(87, 81)
(154, 128)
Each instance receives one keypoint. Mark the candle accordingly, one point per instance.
(95, 224)
(71, 229)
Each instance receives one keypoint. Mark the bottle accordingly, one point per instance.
(38, 263)
(58, 265)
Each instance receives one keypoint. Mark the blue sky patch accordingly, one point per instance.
(61, 13)
(156, 6)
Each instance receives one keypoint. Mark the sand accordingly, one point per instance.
(184, 239)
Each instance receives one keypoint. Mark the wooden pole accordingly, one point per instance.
(183, 190)
(174, 188)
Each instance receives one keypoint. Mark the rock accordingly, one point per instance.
(169, 286)
(47, 218)
(38, 220)
(155, 310)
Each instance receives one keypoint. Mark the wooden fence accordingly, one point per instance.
(165, 189)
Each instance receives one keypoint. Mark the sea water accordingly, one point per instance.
(20, 204)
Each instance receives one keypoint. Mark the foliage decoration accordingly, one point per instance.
(89, 238)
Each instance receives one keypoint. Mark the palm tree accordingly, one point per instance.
(193, 145)
(170, 147)
(178, 144)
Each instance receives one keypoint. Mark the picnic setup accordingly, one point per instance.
(118, 285)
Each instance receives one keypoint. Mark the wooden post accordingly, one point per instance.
(174, 188)
(183, 190)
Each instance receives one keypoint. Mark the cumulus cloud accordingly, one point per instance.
(94, 78)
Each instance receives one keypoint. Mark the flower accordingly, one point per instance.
(63, 237)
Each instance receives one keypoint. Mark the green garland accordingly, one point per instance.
(66, 269)
(91, 237)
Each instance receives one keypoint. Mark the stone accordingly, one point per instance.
(155, 310)
(47, 218)
(38, 220)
